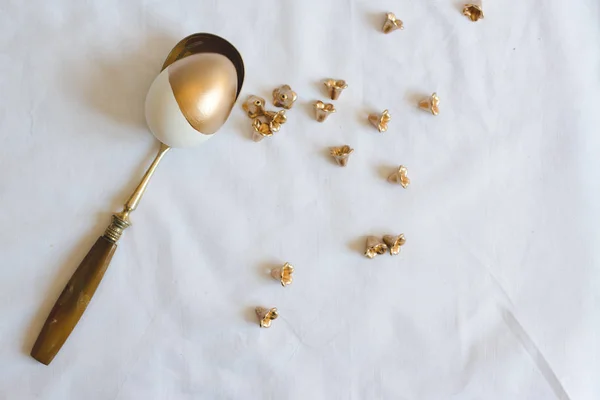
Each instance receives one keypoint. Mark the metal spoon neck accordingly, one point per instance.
(137, 194)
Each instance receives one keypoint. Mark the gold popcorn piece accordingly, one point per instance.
(341, 154)
(375, 246)
(473, 11)
(254, 106)
(394, 243)
(268, 123)
(283, 274)
(335, 87)
(284, 97)
(431, 104)
(322, 110)
(275, 119)
(380, 121)
(261, 130)
(400, 176)
(391, 23)
(265, 316)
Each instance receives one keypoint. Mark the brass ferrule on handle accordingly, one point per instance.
(76, 296)
(120, 221)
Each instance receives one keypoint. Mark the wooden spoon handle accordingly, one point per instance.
(73, 301)
(83, 284)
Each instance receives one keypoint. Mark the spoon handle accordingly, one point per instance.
(76, 296)
(73, 300)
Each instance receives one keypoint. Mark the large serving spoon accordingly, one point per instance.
(188, 101)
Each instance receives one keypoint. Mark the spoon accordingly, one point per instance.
(187, 103)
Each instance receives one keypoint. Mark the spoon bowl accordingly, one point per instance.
(194, 93)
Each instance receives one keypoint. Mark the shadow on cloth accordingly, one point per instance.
(115, 85)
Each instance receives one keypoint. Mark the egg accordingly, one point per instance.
(191, 99)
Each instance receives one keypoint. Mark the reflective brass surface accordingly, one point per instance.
(400, 177)
(283, 274)
(391, 23)
(265, 316)
(136, 196)
(322, 110)
(374, 247)
(432, 104)
(120, 221)
(206, 74)
(284, 97)
(335, 87)
(198, 43)
(473, 12)
(394, 243)
(380, 121)
(341, 154)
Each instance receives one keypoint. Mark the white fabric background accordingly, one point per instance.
(495, 295)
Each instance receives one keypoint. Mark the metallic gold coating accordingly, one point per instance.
(432, 104)
(341, 154)
(254, 106)
(120, 222)
(380, 121)
(136, 196)
(275, 119)
(400, 177)
(261, 130)
(205, 87)
(473, 11)
(391, 23)
(198, 43)
(284, 97)
(322, 110)
(335, 87)
(374, 247)
(394, 243)
(265, 316)
(283, 274)
(267, 124)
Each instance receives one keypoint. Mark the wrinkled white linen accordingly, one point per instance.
(495, 295)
